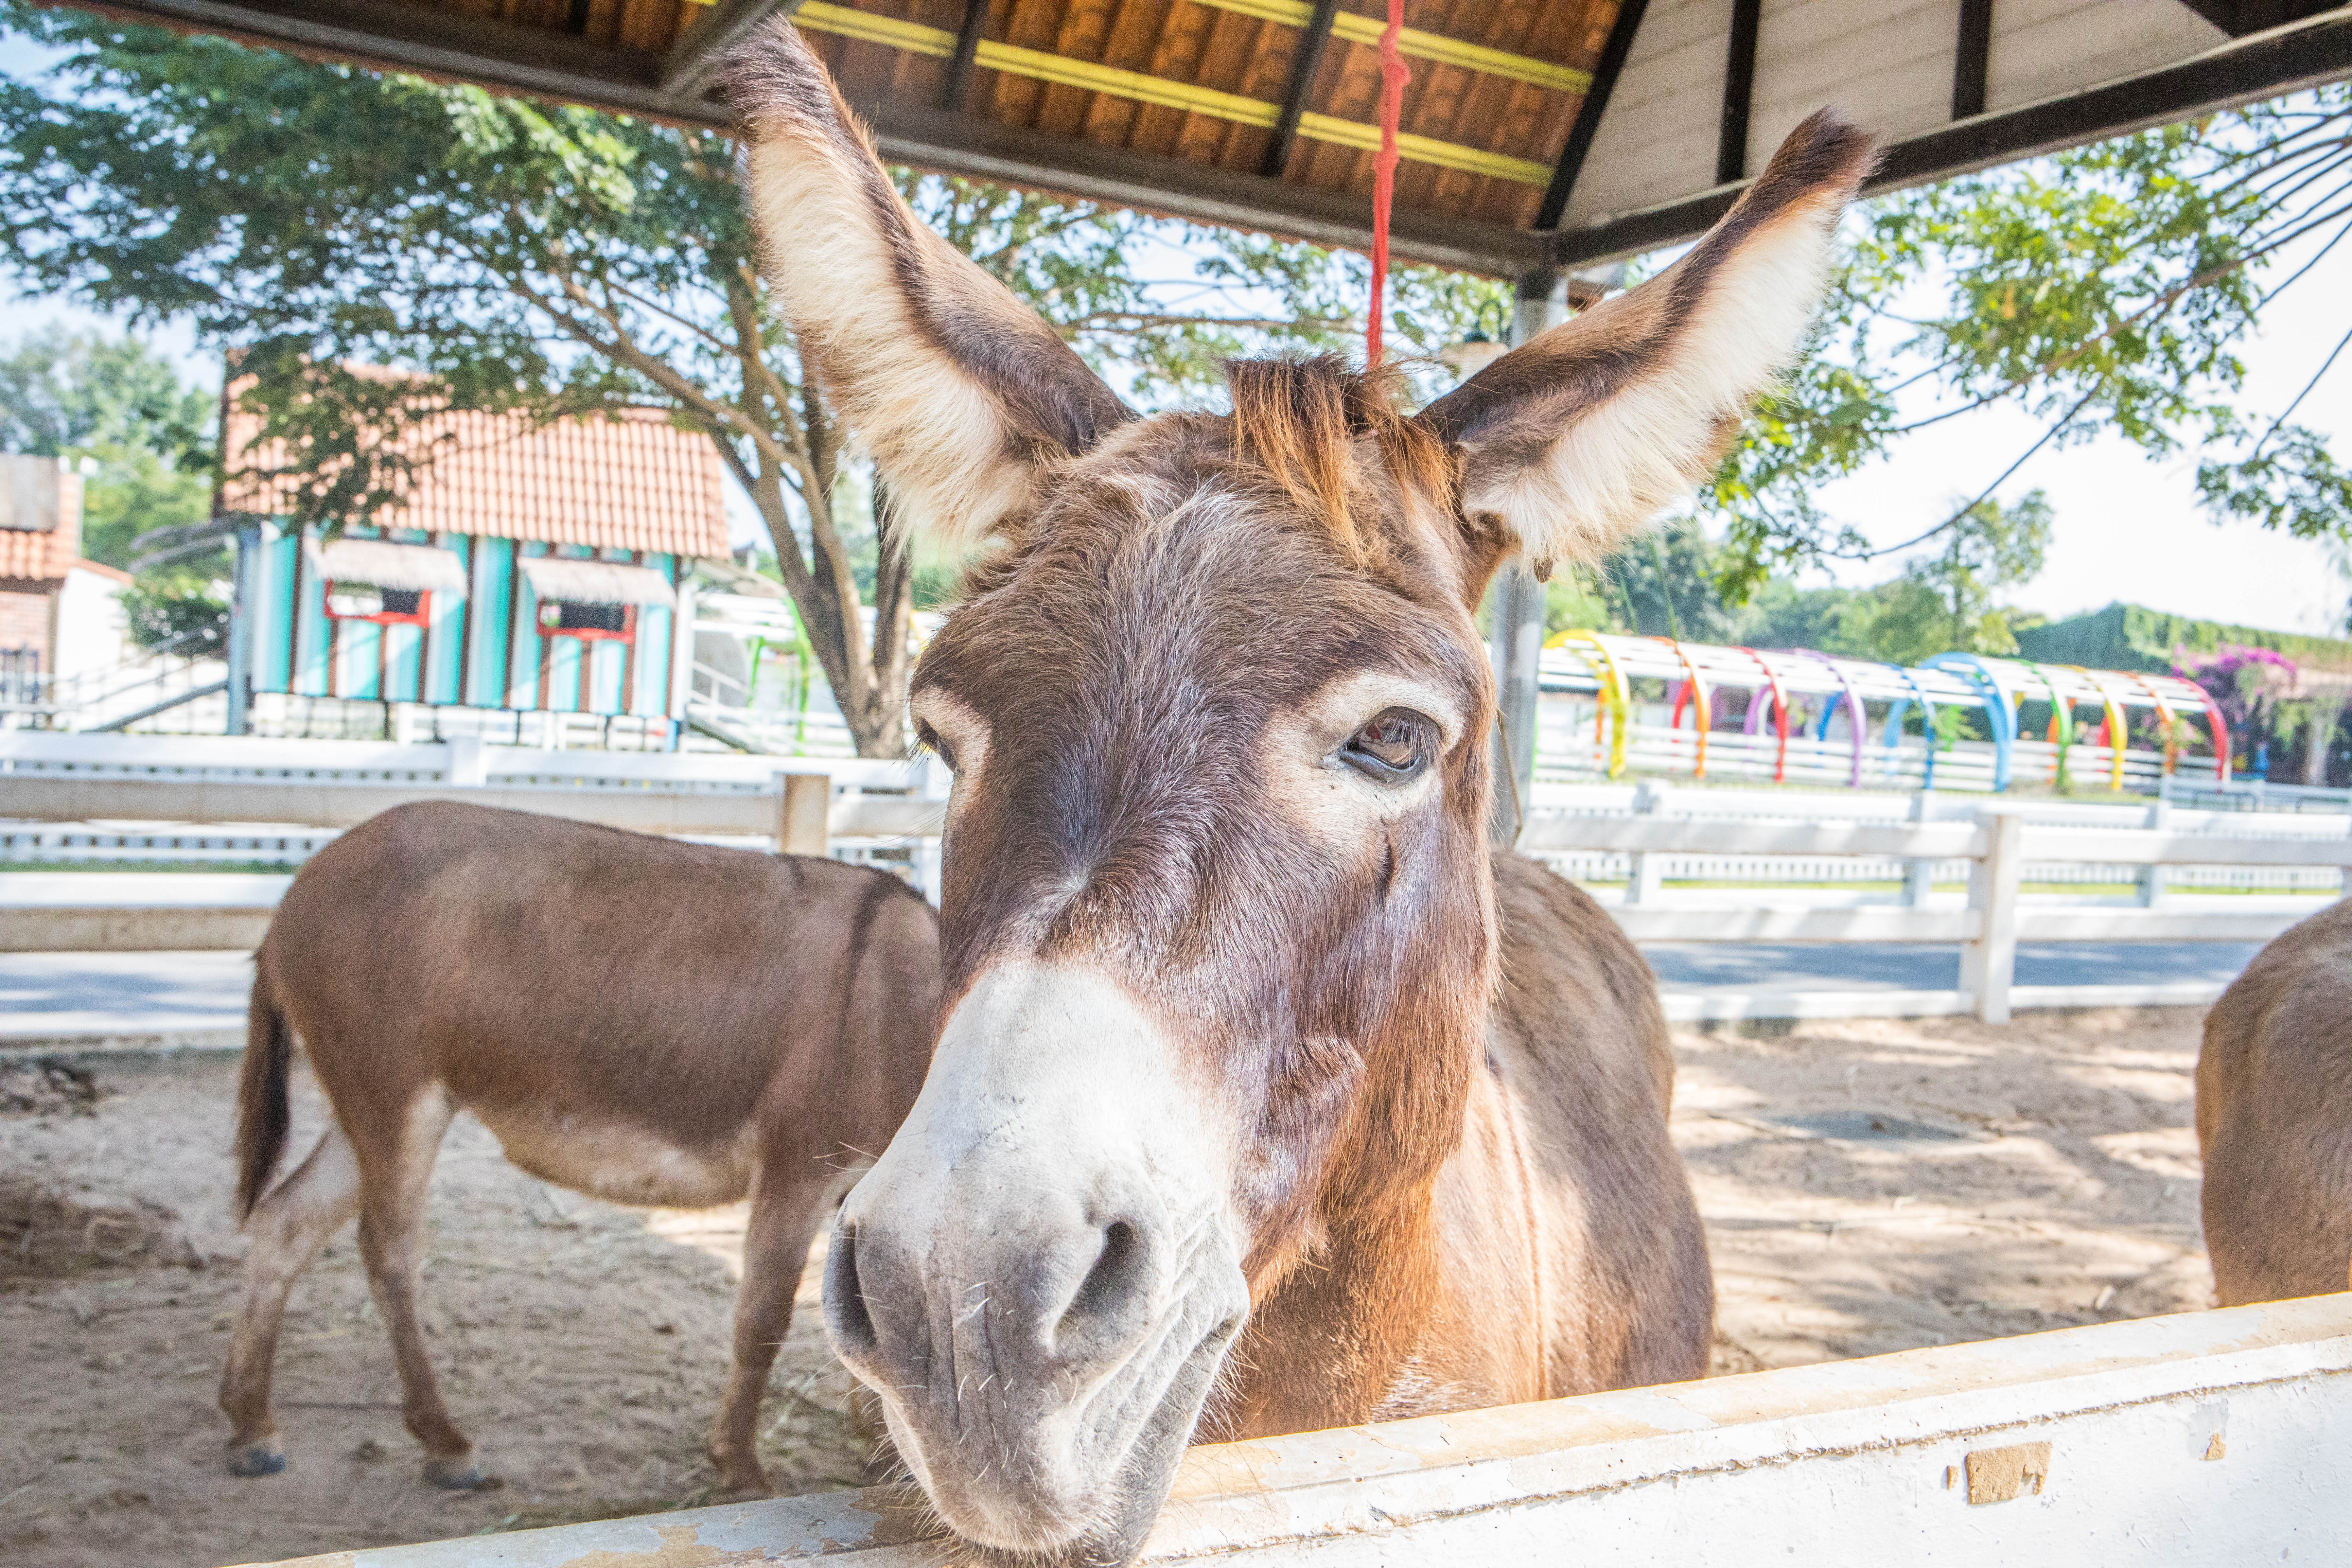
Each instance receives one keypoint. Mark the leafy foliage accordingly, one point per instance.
(146, 441)
(1953, 597)
(145, 435)
(2102, 288)
(499, 253)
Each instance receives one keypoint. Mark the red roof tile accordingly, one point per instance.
(28, 555)
(631, 483)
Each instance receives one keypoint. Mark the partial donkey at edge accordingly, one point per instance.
(650, 1022)
(2274, 1118)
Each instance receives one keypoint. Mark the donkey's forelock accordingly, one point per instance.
(1304, 421)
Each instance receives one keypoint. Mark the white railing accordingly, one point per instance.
(893, 812)
(1998, 846)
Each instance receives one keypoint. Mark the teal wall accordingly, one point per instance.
(482, 648)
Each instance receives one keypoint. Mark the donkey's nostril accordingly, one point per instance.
(845, 1298)
(1117, 1275)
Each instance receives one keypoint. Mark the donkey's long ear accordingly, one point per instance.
(1580, 436)
(962, 393)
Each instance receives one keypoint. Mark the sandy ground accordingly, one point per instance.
(2049, 1177)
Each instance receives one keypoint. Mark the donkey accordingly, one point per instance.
(2274, 1118)
(651, 1022)
(1264, 1097)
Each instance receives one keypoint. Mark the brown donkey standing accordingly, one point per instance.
(1263, 1099)
(650, 1022)
(2274, 1118)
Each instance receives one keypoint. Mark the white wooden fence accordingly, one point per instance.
(895, 809)
(2205, 1440)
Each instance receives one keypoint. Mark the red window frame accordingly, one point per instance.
(421, 617)
(627, 634)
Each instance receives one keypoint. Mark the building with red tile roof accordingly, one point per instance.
(527, 567)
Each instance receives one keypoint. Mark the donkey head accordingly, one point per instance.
(1218, 916)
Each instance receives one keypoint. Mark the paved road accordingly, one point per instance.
(45, 994)
(49, 994)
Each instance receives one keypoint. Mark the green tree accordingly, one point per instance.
(510, 255)
(145, 440)
(1951, 598)
(144, 434)
(2105, 288)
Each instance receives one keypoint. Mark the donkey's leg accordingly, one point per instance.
(391, 1239)
(786, 1209)
(288, 1227)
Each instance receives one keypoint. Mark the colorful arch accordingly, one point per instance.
(1902, 705)
(1780, 714)
(1694, 690)
(1859, 723)
(1616, 695)
(2115, 725)
(1973, 669)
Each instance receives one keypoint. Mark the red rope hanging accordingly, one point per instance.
(1393, 75)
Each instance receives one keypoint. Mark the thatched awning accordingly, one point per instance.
(596, 582)
(382, 563)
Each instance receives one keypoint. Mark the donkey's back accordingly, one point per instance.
(621, 1010)
(2274, 1118)
(651, 1022)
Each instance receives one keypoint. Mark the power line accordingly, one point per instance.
(2299, 396)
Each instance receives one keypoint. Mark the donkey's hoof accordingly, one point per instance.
(265, 1457)
(453, 1472)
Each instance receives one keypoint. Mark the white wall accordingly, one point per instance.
(92, 631)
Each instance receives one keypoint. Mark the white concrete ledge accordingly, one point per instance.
(96, 912)
(2206, 1438)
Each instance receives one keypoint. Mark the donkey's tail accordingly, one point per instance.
(262, 1116)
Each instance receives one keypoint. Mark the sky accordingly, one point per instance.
(2125, 527)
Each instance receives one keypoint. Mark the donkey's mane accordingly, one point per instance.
(1300, 420)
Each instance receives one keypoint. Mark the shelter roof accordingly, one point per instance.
(1538, 132)
(634, 482)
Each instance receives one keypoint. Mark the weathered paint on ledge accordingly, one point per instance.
(2220, 1437)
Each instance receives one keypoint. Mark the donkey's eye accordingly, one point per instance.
(929, 739)
(1394, 747)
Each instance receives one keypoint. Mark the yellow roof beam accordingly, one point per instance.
(1160, 91)
(1413, 41)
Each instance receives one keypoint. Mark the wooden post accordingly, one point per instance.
(803, 814)
(1645, 868)
(1989, 959)
(466, 761)
(1919, 876)
(2151, 878)
(1516, 600)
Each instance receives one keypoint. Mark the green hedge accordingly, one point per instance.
(2132, 637)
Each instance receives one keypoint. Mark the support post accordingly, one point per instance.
(1645, 868)
(1516, 611)
(803, 814)
(1919, 876)
(2151, 878)
(244, 608)
(466, 766)
(1989, 959)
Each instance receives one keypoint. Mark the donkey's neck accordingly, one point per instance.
(1329, 1345)
(1409, 1306)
